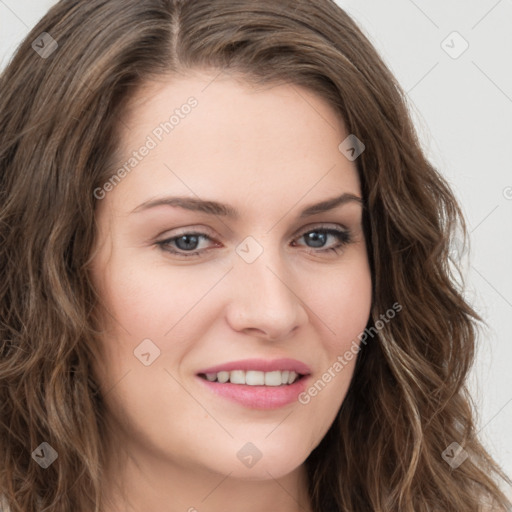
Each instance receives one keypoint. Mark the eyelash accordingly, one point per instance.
(344, 238)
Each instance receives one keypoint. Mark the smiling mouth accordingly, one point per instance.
(254, 378)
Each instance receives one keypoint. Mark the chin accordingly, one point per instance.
(260, 460)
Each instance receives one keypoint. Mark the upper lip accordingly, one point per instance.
(262, 365)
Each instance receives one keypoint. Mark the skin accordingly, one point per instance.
(268, 152)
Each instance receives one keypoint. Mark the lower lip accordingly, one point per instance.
(258, 397)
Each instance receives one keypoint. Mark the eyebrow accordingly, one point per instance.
(216, 208)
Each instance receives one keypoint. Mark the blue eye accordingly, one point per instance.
(186, 245)
(319, 237)
(187, 242)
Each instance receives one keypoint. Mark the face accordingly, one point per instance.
(232, 247)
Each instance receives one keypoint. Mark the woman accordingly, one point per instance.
(226, 271)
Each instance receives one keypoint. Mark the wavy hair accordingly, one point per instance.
(59, 119)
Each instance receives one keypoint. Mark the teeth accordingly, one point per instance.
(237, 377)
(254, 378)
(223, 377)
(273, 378)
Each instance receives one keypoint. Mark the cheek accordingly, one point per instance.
(148, 300)
(341, 301)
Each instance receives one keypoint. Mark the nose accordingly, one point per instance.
(265, 298)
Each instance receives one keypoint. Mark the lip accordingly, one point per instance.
(260, 365)
(258, 397)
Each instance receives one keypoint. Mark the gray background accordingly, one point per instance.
(462, 108)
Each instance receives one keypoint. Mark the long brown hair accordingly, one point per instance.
(59, 114)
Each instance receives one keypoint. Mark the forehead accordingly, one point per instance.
(212, 135)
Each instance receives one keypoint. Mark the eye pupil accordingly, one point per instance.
(189, 242)
(317, 238)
